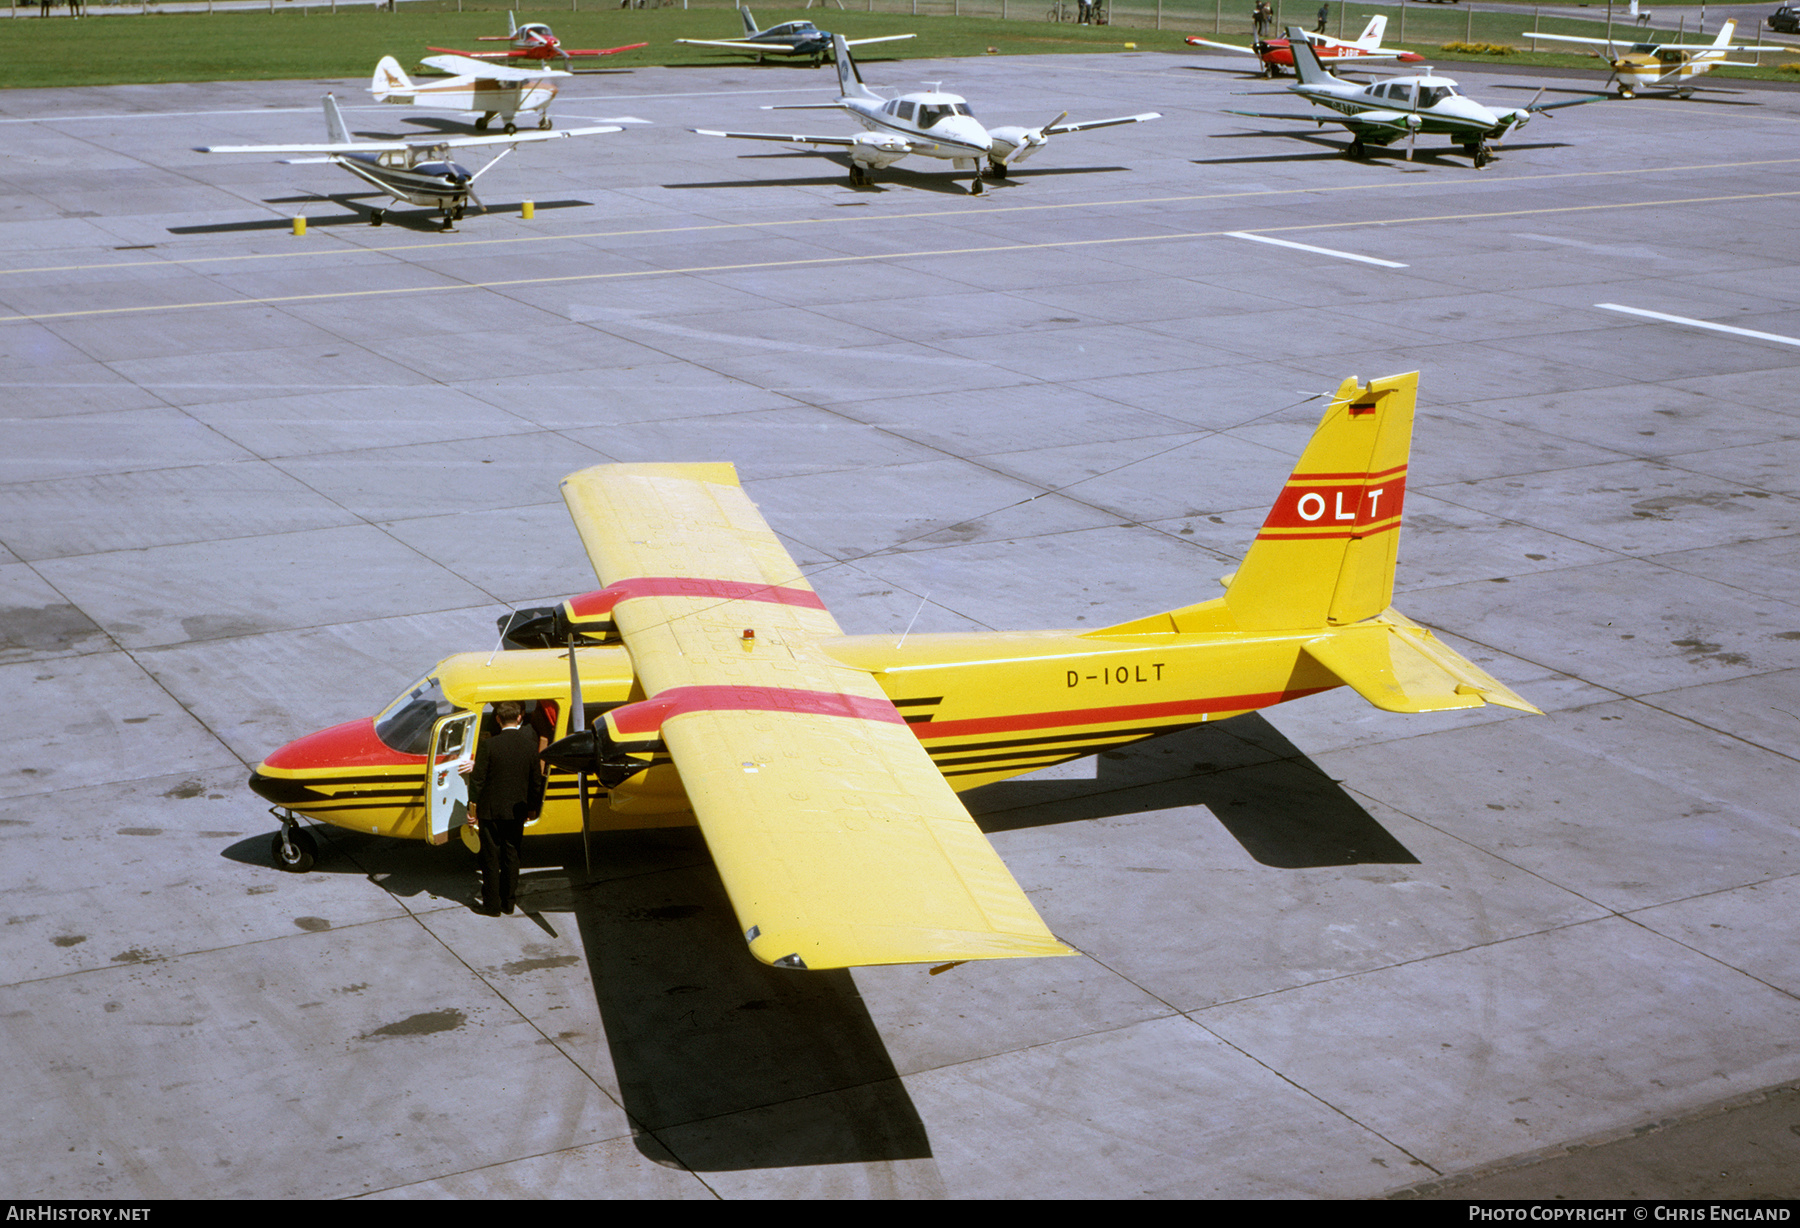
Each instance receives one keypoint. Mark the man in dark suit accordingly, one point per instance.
(506, 790)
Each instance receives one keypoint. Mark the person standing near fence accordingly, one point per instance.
(1324, 16)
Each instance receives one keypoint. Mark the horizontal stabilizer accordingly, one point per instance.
(1400, 666)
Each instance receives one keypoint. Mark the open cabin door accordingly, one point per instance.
(452, 746)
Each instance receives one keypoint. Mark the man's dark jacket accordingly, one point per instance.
(505, 783)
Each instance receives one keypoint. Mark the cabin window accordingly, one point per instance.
(906, 111)
(406, 724)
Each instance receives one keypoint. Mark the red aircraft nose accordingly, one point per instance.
(352, 745)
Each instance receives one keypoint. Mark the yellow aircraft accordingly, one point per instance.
(709, 684)
(1663, 65)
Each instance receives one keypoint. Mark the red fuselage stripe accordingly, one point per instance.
(1081, 717)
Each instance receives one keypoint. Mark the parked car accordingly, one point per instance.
(1785, 20)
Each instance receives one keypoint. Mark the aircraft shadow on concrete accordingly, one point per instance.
(721, 1062)
(1276, 802)
(1702, 93)
(405, 217)
(945, 182)
(1435, 154)
(725, 1064)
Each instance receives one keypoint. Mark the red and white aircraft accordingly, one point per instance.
(1276, 55)
(532, 41)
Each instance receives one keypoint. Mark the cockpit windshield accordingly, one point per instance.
(1431, 95)
(406, 724)
(931, 112)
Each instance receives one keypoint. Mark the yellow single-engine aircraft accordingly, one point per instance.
(708, 684)
(1670, 66)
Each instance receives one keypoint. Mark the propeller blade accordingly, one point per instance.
(1059, 119)
(577, 723)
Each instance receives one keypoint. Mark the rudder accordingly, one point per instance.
(336, 130)
(1326, 552)
(390, 82)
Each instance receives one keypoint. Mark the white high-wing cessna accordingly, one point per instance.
(1397, 107)
(492, 89)
(933, 123)
(1671, 65)
(417, 172)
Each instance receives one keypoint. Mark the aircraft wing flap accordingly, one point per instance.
(1399, 666)
(837, 838)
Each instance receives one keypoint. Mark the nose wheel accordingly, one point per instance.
(292, 848)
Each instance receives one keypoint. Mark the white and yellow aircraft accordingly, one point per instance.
(707, 683)
(419, 172)
(933, 123)
(1641, 66)
(491, 89)
(1399, 108)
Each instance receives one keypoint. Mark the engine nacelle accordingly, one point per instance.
(878, 149)
(1013, 145)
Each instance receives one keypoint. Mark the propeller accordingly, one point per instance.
(577, 724)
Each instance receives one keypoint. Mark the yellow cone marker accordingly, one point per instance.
(300, 225)
(527, 210)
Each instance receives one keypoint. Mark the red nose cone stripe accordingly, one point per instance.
(600, 604)
(352, 744)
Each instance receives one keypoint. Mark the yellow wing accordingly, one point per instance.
(837, 840)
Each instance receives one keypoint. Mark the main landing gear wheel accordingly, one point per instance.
(482, 123)
(511, 128)
(295, 853)
(544, 124)
(859, 178)
(996, 170)
(1482, 155)
(377, 216)
(978, 188)
(1356, 149)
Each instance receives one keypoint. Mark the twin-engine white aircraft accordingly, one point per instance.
(934, 124)
(801, 38)
(418, 172)
(492, 89)
(1397, 107)
(1665, 65)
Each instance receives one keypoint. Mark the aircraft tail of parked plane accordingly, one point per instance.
(390, 82)
(850, 82)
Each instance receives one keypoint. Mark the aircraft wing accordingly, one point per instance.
(885, 38)
(838, 841)
(778, 136)
(476, 55)
(1207, 42)
(463, 66)
(455, 142)
(766, 48)
(1395, 121)
(606, 50)
(1086, 124)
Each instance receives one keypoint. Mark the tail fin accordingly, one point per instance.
(336, 131)
(512, 25)
(850, 82)
(750, 30)
(390, 82)
(1325, 555)
(1306, 60)
(1371, 35)
(1725, 33)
